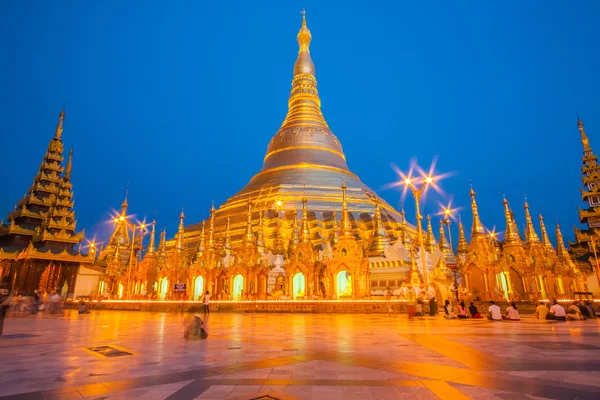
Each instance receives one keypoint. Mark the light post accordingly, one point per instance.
(447, 222)
(417, 192)
(134, 228)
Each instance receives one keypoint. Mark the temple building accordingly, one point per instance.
(305, 226)
(38, 243)
(584, 248)
(515, 268)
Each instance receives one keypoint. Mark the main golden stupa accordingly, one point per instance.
(304, 159)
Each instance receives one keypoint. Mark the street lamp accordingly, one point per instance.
(447, 222)
(134, 228)
(417, 192)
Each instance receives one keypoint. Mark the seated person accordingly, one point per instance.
(574, 314)
(82, 308)
(462, 310)
(448, 313)
(494, 312)
(590, 308)
(583, 310)
(541, 311)
(512, 314)
(557, 312)
(473, 311)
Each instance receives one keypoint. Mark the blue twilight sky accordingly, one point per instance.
(180, 99)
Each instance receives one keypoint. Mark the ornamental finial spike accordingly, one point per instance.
(584, 138)
(59, 127)
(304, 35)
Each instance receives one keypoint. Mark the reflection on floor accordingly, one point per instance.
(297, 356)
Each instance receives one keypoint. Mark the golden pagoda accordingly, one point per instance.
(344, 243)
(38, 244)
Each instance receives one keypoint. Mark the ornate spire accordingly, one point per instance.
(211, 229)
(463, 247)
(125, 204)
(304, 134)
(477, 229)
(151, 247)
(69, 166)
(443, 245)
(305, 232)
(200, 248)
(404, 236)
(180, 245)
(531, 236)
(510, 237)
(162, 245)
(345, 221)
(584, 138)
(430, 242)
(335, 236)
(380, 240)
(260, 235)
(227, 244)
(561, 250)
(295, 239)
(545, 239)
(249, 236)
(59, 127)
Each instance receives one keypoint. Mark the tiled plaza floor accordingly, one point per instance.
(298, 356)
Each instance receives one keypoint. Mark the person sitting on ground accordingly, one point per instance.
(574, 314)
(512, 314)
(590, 308)
(420, 304)
(583, 310)
(82, 308)
(541, 311)
(462, 310)
(494, 312)
(474, 311)
(448, 313)
(557, 312)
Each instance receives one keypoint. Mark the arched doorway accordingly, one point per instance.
(517, 284)
(238, 287)
(120, 291)
(476, 282)
(344, 284)
(502, 284)
(298, 285)
(164, 288)
(198, 288)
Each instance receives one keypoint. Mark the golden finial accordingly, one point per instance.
(305, 232)
(125, 204)
(430, 242)
(545, 239)
(560, 244)
(477, 229)
(249, 237)
(227, 235)
(584, 138)
(69, 166)
(531, 236)
(182, 215)
(463, 247)
(345, 219)
(510, 237)
(181, 232)
(151, 245)
(304, 35)
(59, 127)
(211, 229)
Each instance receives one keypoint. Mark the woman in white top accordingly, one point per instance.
(512, 313)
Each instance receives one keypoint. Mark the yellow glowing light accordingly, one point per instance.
(447, 211)
(279, 203)
(116, 219)
(428, 180)
(407, 181)
(143, 226)
(121, 218)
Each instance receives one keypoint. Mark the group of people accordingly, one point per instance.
(461, 311)
(575, 312)
(20, 304)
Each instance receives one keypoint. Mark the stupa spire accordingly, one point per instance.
(335, 236)
(227, 244)
(69, 166)
(125, 204)
(305, 231)
(162, 245)
(151, 246)
(510, 237)
(211, 228)
(180, 245)
(443, 244)
(59, 126)
(531, 236)
(545, 239)
(260, 235)
(404, 236)
(561, 250)
(380, 240)
(345, 220)
(430, 242)
(249, 236)
(478, 229)
(584, 139)
(200, 248)
(463, 247)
